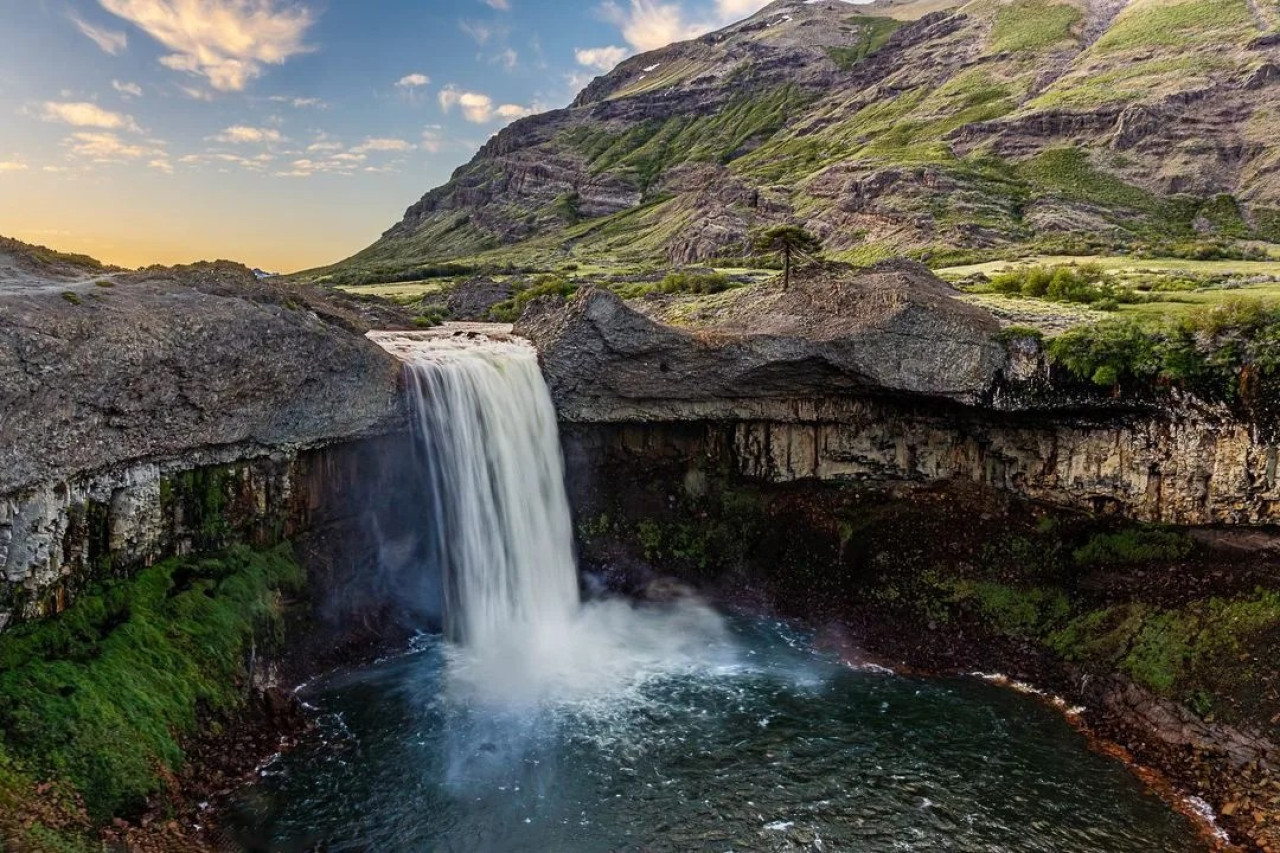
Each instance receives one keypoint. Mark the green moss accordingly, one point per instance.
(101, 695)
(1033, 25)
(1015, 611)
(73, 298)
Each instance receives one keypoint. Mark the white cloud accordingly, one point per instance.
(413, 81)
(108, 147)
(648, 25)
(242, 134)
(83, 114)
(476, 107)
(110, 41)
(12, 166)
(160, 164)
(226, 41)
(500, 5)
(130, 90)
(651, 24)
(376, 144)
(735, 10)
(602, 58)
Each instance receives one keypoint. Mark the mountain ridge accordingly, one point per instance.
(991, 123)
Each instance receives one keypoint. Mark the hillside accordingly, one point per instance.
(923, 125)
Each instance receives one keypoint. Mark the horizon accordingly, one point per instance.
(282, 135)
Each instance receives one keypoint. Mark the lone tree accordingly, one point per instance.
(787, 240)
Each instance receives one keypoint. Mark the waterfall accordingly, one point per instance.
(500, 525)
(485, 421)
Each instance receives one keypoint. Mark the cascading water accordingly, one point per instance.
(486, 422)
(500, 521)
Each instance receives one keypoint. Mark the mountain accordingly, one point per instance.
(889, 127)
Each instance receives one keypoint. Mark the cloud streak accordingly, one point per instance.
(228, 42)
(109, 41)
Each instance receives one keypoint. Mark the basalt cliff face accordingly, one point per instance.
(982, 123)
(882, 376)
(145, 414)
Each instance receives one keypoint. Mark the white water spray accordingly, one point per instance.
(487, 426)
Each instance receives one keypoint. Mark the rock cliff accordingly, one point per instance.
(881, 376)
(115, 386)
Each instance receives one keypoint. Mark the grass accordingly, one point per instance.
(1033, 25)
(1177, 24)
(872, 34)
(101, 696)
(1121, 264)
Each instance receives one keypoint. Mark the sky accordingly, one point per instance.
(284, 134)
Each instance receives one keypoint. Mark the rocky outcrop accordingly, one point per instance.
(159, 364)
(892, 329)
(882, 376)
(113, 391)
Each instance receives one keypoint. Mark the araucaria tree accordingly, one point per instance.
(786, 241)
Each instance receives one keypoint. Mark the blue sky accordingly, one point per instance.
(282, 133)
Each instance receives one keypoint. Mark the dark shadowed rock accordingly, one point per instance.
(893, 328)
(472, 299)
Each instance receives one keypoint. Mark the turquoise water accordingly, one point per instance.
(761, 745)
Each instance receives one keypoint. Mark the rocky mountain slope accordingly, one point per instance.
(885, 127)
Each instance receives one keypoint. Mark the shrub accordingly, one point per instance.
(73, 298)
(1138, 545)
(510, 310)
(691, 282)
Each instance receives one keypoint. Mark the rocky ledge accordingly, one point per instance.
(893, 329)
(112, 383)
(883, 375)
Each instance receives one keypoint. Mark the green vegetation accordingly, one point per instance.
(873, 34)
(1136, 545)
(1225, 353)
(1176, 24)
(694, 282)
(548, 285)
(104, 282)
(72, 297)
(102, 695)
(1069, 173)
(1033, 25)
(787, 241)
(1087, 284)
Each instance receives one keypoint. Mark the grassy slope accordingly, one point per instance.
(99, 698)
